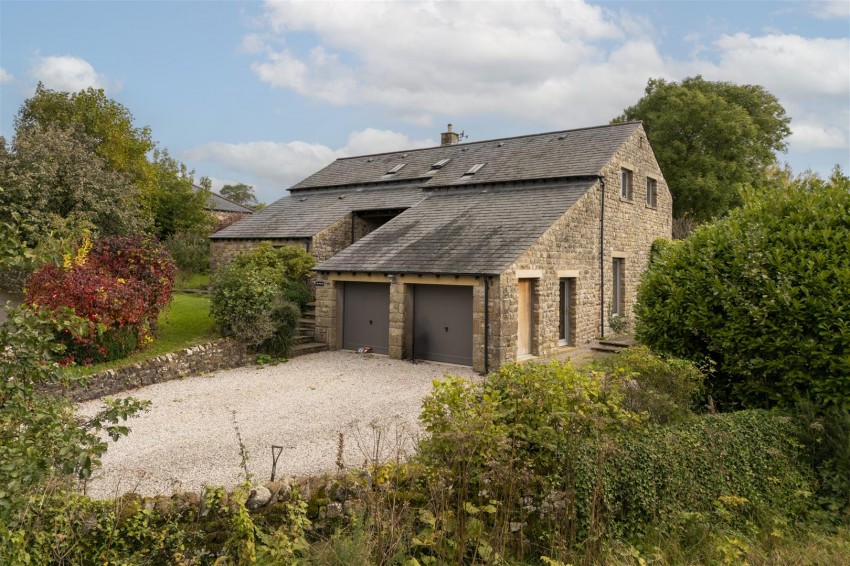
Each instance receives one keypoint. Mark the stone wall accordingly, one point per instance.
(204, 358)
(222, 251)
(572, 245)
(332, 240)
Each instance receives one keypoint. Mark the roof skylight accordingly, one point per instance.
(440, 164)
(474, 169)
(396, 169)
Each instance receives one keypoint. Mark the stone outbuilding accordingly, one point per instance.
(474, 253)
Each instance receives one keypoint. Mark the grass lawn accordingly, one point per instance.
(185, 322)
(193, 281)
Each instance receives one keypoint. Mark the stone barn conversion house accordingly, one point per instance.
(474, 253)
(225, 210)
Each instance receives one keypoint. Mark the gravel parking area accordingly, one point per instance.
(188, 438)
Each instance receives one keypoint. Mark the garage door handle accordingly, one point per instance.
(447, 328)
(370, 323)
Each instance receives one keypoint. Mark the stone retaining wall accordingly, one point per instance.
(213, 356)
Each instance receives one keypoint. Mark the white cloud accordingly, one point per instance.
(5, 76)
(279, 165)
(69, 73)
(559, 64)
(830, 9)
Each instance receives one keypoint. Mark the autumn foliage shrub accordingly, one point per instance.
(117, 286)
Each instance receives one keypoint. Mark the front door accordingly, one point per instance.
(525, 317)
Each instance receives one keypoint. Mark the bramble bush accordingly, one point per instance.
(257, 298)
(763, 295)
(117, 286)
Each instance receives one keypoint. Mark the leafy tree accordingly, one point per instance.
(240, 194)
(711, 139)
(762, 296)
(52, 173)
(123, 146)
(176, 205)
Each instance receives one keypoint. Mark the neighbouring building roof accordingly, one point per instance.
(468, 231)
(570, 153)
(304, 214)
(218, 203)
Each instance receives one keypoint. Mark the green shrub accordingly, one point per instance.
(666, 390)
(251, 297)
(763, 295)
(565, 460)
(191, 252)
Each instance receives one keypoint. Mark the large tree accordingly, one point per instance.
(53, 173)
(240, 193)
(711, 139)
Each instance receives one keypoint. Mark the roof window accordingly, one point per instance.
(396, 169)
(474, 169)
(440, 164)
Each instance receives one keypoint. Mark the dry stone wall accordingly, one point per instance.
(222, 251)
(197, 360)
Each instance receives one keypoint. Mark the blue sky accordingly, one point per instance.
(268, 92)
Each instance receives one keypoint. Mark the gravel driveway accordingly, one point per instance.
(188, 437)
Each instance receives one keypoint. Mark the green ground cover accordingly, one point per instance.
(185, 322)
(193, 281)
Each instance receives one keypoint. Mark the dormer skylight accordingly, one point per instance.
(474, 169)
(396, 169)
(440, 164)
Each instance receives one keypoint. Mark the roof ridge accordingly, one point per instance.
(632, 122)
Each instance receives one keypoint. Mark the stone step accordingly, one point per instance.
(624, 342)
(608, 349)
(311, 304)
(302, 338)
(308, 348)
(307, 322)
(308, 314)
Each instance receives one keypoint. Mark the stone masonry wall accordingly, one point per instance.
(572, 244)
(332, 240)
(204, 358)
(222, 251)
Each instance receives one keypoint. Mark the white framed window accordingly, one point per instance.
(626, 184)
(651, 192)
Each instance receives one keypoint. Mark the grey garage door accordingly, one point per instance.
(442, 323)
(366, 316)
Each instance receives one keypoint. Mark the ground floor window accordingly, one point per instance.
(618, 300)
(566, 326)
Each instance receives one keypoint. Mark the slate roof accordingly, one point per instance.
(570, 153)
(468, 231)
(220, 204)
(304, 214)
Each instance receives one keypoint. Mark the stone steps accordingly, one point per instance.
(614, 345)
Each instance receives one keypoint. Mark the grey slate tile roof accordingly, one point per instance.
(462, 231)
(569, 153)
(218, 203)
(304, 214)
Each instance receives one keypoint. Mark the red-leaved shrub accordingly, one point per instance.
(117, 286)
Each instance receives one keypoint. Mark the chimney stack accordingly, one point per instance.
(449, 137)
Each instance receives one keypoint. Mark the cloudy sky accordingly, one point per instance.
(267, 93)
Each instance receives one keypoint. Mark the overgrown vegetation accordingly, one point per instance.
(258, 297)
(762, 297)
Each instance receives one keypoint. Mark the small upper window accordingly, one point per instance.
(625, 184)
(440, 164)
(651, 192)
(396, 169)
(474, 169)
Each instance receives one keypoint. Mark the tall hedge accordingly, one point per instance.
(762, 296)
